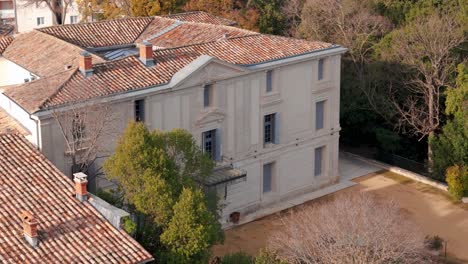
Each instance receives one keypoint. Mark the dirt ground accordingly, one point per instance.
(432, 209)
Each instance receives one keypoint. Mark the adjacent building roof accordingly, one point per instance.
(4, 43)
(202, 17)
(6, 29)
(70, 231)
(49, 52)
(9, 124)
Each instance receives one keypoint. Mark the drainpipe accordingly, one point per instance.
(16, 17)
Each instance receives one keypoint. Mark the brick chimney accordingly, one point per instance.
(81, 183)
(30, 228)
(86, 63)
(146, 53)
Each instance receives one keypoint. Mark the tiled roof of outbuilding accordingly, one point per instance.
(69, 231)
(9, 124)
(100, 34)
(4, 42)
(202, 17)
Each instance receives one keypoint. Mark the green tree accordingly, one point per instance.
(450, 147)
(457, 180)
(192, 228)
(154, 170)
(272, 20)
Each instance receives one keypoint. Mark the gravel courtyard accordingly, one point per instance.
(431, 209)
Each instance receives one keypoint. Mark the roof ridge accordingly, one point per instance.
(144, 29)
(210, 42)
(92, 22)
(59, 88)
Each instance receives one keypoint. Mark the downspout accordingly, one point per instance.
(39, 142)
(16, 17)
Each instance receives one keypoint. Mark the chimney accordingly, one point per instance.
(81, 183)
(30, 228)
(86, 63)
(146, 53)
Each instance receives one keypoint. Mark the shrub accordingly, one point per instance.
(457, 180)
(268, 257)
(237, 258)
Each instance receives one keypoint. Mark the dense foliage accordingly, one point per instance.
(457, 180)
(157, 173)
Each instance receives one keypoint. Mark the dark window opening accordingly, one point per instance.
(207, 95)
(209, 143)
(269, 129)
(140, 110)
(269, 87)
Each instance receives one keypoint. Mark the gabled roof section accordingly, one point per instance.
(100, 34)
(43, 54)
(4, 43)
(70, 231)
(32, 95)
(168, 33)
(202, 17)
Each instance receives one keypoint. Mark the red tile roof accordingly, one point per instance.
(178, 34)
(42, 54)
(69, 231)
(100, 34)
(202, 17)
(9, 124)
(4, 43)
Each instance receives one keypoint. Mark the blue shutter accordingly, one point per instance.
(320, 69)
(319, 114)
(269, 87)
(318, 161)
(276, 128)
(267, 177)
(217, 145)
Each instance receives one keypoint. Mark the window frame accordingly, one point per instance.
(272, 123)
(73, 21)
(215, 143)
(322, 150)
(40, 21)
(269, 81)
(272, 174)
(139, 110)
(208, 90)
(321, 69)
(324, 107)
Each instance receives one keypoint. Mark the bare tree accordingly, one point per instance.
(424, 48)
(58, 7)
(86, 131)
(292, 11)
(347, 22)
(352, 228)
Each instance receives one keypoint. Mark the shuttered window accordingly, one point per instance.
(321, 64)
(269, 83)
(318, 164)
(212, 144)
(207, 95)
(267, 177)
(269, 128)
(319, 115)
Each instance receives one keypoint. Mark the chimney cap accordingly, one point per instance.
(146, 43)
(80, 177)
(85, 53)
(28, 217)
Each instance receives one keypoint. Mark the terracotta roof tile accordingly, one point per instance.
(32, 95)
(69, 231)
(202, 17)
(100, 34)
(9, 124)
(43, 54)
(130, 74)
(168, 33)
(4, 43)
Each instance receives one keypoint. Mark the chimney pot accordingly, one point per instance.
(81, 183)
(146, 53)
(86, 63)
(30, 228)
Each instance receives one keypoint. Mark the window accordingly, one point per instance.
(78, 128)
(269, 127)
(140, 110)
(321, 64)
(40, 21)
(207, 95)
(319, 115)
(269, 87)
(318, 164)
(211, 144)
(267, 177)
(73, 19)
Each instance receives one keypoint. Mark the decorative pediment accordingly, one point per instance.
(205, 69)
(213, 115)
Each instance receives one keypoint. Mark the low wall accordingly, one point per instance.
(409, 174)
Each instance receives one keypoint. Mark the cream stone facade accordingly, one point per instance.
(240, 102)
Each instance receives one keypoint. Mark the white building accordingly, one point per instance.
(26, 17)
(265, 107)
